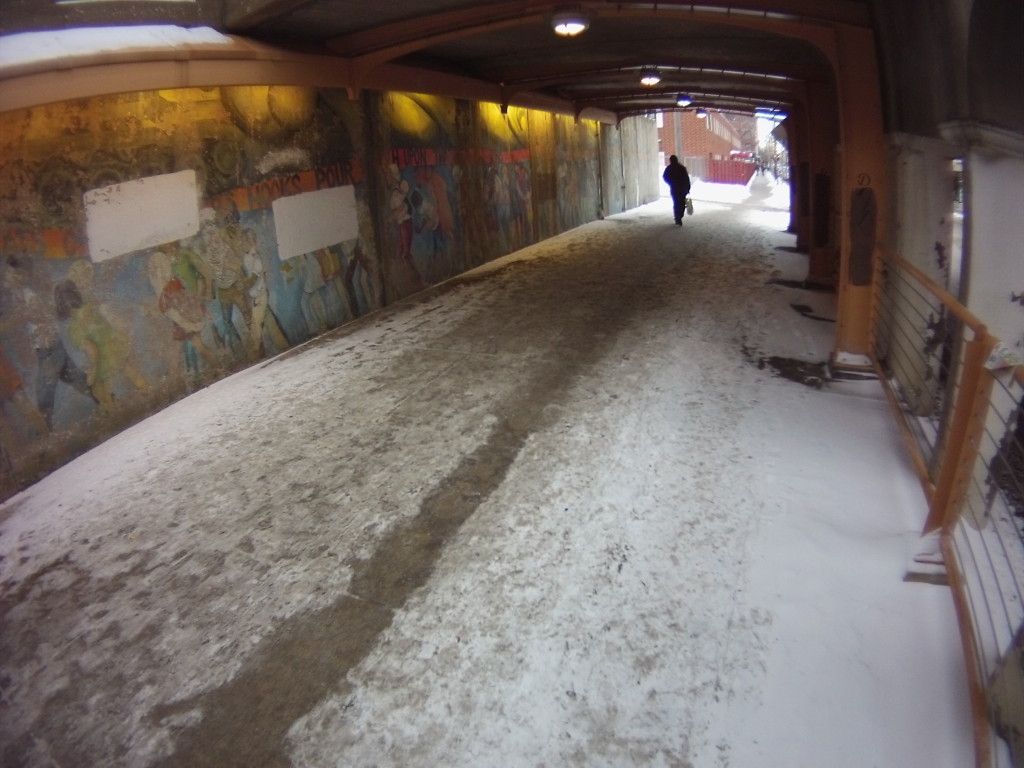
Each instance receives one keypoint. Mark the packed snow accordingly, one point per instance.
(670, 556)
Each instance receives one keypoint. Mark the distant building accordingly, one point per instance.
(714, 137)
(702, 143)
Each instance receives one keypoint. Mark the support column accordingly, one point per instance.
(823, 138)
(799, 199)
(862, 191)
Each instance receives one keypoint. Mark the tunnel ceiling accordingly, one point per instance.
(695, 50)
(733, 56)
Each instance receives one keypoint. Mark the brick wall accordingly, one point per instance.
(686, 135)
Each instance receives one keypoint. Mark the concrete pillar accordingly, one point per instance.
(923, 201)
(921, 231)
(993, 189)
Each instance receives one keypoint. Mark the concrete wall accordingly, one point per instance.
(924, 231)
(995, 280)
(152, 243)
(631, 169)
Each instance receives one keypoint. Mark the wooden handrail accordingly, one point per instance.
(959, 310)
(946, 497)
(965, 431)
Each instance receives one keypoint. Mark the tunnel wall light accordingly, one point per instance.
(569, 22)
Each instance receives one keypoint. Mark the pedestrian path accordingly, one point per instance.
(560, 511)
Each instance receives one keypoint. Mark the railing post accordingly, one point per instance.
(966, 429)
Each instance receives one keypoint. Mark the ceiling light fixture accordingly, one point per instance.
(649, 77)
(684, 100)
(702, 113)
(569, 22)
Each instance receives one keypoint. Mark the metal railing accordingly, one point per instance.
(960, 413)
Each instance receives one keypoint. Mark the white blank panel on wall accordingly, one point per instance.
(142, 213)
(314, 220)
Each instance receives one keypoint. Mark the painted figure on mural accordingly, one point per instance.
(16, 405)
(520, 197)
(223, 252)
(334, 285)
(439, 200)
(407, 277)
(264, 322)
(311, 301)
(424, 214)
(503, 201)
(678, 180)
(477, 245)
(27, 310)
(497, 201)
(334, 297)
(356, 281)
(184, 309)
(94, 332)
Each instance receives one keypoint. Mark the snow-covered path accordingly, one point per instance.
(556, 513)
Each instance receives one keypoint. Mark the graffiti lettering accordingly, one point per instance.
(265, 193)
(405, 158)
(43, 243)
(336, 175)
(516, 156)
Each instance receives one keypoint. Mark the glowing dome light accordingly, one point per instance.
(649, 77)
(569, 22)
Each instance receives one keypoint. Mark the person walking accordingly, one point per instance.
(678, 181)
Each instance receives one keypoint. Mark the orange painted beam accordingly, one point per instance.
(863, 187)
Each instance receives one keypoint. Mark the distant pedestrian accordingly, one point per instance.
(678, 181)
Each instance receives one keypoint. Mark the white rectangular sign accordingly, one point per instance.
(314, 220)
(142, 213)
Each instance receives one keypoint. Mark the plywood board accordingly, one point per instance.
(138, 214)
(314, 220)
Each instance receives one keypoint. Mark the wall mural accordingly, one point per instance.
(152, 243)
(577, 152)
(90, 336)
(457, 182)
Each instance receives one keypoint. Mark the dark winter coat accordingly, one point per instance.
(677, 178)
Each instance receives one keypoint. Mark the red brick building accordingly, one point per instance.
(697, 141)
